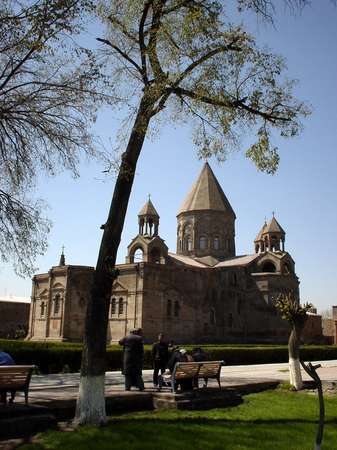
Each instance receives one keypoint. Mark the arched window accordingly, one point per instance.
(120, 306)
(176, 309)
(203, 243)
(216, 243)
(189, 244)
(57, 302)
(138, 255)
(113, 306)
(169, 308)
(42, 309)
(268, 267)
(286, 268)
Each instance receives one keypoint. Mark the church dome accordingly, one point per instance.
(206, 194)
(206, 220)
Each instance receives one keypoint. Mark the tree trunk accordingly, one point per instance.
(294, 357)
(90, 408)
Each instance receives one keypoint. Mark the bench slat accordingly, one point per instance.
(16, 378)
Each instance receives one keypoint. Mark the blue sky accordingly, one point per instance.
(302, 193)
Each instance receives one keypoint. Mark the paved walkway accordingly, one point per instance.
(65, 386)
(229, 374)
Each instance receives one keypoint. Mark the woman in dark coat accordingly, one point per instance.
(133, 359)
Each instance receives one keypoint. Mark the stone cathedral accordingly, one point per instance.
(202, 293)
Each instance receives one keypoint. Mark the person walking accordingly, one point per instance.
(133, 359)
(160, 357)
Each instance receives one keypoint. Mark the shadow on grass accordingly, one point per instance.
(189, 435)
(202, 420)
(265, 421)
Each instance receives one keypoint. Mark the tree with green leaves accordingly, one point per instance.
(296, 315)
(50, 90)
(179, 61)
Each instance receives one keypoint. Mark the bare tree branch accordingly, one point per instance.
(123, 54)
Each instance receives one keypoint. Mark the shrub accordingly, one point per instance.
(54, 357)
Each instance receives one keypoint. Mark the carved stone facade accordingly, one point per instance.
(58, 303)
(201, 293)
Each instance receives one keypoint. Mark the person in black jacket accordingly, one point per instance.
(160, 356)
(133, 359)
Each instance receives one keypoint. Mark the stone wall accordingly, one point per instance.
(312, 332)
(14, 316)
(330, 330)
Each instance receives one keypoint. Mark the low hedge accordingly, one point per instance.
(53, 357)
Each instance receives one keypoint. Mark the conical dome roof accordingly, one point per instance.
(274, 227)
(148, 210)
(261, 232)
(206, 194)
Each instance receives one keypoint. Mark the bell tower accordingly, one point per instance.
(270, 238)
(147, 246)
(148, 220)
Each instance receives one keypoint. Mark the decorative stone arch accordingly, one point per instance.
(120, 306)
(172, 303)
(186, 241)
(216, 242)
(187, 228)
(42, 309)
(56, 307)
(58, 286)
(268, 266)
(203, 242)
(113, 305)
(137, 253)
(57, 304)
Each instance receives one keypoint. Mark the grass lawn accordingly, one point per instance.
(272, 420)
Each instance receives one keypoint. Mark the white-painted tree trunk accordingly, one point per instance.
(295, 373)
(90, 407)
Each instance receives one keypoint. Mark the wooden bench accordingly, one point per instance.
(191, 370)
(15, 378)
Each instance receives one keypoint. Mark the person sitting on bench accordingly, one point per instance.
(6, 360)
(181, 356)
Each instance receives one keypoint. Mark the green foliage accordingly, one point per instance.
(53, 357)
(285, 419)
(50, 90)
(194, 64)
(291, 310)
